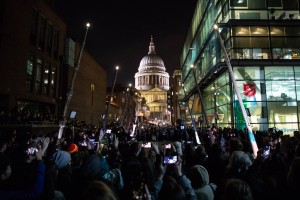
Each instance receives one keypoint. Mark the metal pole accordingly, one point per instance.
(105, 119)
(250, 132)
(193, 120)
(200, 97)
(62, 123)
(125, 111)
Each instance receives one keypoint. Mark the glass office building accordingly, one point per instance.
(262, 39)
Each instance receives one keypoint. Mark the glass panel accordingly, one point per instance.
(277, 31)
(298, 89)
(240, 31)
(29, 73)
(292, 31)
(257, 4)
(46, 78)
(53, 81)
(274, 3)
(224, 114)
(223, 95)
(259, 31)
(282, 112)
(240, 3)
(246, 73)
(260, 42)
(297, 73)
(241, 42)
(42, 31)
(277, 72)
(278, 42)
(33, 27)
(281, 90)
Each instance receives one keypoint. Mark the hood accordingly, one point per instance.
(199, 176)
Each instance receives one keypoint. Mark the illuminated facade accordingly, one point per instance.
(259, 36)
(152, 81)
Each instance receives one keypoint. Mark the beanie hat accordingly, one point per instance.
(61, 159)
(72, 148)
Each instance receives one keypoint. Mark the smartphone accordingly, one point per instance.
(31, 150)
(181, 127)
(83, 143)
(108, 131)
(266, 151)
(146, 145)
(170, 160)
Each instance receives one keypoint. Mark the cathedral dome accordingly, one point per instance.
(152, 62)
(151, 72)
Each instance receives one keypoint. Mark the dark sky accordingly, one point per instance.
(121, 30)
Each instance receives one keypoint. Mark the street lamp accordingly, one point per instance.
(192, 118)
(110, 98)
(63, 122)
(250, 132)
(200, 96)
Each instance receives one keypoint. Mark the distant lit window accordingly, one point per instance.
(38, 77)
(29, 73)
(46, 79)
(53, 81)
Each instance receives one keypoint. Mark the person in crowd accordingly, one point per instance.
(176, 185)
(32, 190)
(239, 163)
(237, 189)
(137, 171)
(99, 190)
(199, 177)
(216, 163)
(293, 179)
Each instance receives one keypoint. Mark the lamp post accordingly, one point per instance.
(200, 97)
(250, 132)
(63, 122)
(193, 120)
(125, 111)
(105, 119)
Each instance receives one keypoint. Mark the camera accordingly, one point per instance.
(146, 145)
(170, 160)
(31, 150)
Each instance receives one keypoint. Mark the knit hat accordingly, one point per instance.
(72, 148)
(61, 159)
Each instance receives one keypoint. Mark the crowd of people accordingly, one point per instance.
(154, 162)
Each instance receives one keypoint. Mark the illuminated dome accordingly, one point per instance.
(152, 62)
(151, 72)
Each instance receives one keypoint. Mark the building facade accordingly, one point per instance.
(259, 36)
(37, 65)
(31, 45)
(152, 81)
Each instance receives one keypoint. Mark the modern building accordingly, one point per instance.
(152, 81)
(260, 37)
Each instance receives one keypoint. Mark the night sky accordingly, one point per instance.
(121, 30)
